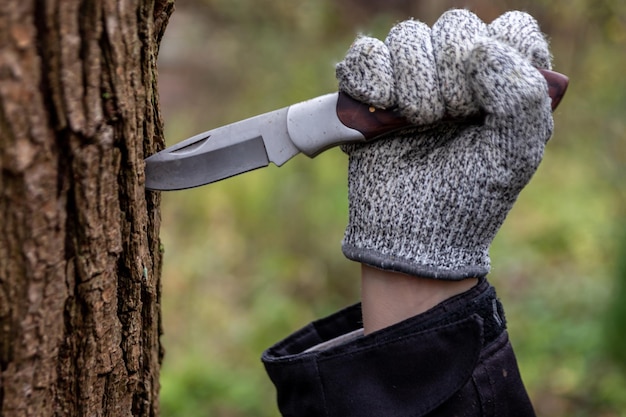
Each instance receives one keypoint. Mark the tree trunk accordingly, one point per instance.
(80, 258)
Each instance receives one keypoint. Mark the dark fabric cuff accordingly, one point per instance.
(411, 367)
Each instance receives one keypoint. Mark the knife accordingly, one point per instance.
(309, 127)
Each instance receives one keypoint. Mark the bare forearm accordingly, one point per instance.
(390, 297)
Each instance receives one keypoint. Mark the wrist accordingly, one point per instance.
(391, 297)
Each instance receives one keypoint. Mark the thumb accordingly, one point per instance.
(505, 84)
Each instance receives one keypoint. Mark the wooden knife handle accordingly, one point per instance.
(373, 122)
(557, 85)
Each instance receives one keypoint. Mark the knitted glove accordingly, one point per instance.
(428, 201)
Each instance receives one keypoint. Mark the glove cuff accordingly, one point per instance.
(448, 267)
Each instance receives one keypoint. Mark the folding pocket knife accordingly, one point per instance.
(309, 127)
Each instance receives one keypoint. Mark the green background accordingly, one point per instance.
(253, 258)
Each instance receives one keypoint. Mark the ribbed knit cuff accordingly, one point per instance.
(393, 263)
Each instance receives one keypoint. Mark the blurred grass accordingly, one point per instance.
(253, 258)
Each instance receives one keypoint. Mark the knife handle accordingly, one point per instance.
(557, 85)
(373, 122)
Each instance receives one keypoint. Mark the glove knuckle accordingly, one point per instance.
(521, 31)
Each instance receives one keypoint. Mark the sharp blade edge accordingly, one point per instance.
(168, 174)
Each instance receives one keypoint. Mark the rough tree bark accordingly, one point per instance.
(80, 258)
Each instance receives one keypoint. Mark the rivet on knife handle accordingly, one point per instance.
(373, 122)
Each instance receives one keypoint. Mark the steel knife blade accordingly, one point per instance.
(309, 127)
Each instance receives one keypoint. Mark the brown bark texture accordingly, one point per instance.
(80, 257)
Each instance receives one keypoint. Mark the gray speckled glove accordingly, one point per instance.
(429, 201)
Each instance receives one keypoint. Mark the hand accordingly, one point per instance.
(429, 201)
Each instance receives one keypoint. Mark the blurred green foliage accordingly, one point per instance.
(251, 259)
(616, 313)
